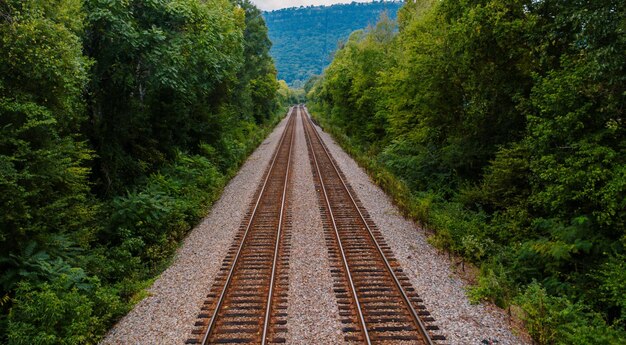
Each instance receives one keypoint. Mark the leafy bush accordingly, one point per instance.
(612, 287)
(149, 223)
(495, 284)
(70, 309)
(556, 320)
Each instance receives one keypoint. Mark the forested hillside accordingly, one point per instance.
(120, 121)
(499, 124)
(304, 38)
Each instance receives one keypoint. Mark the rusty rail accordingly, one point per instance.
(245, 301)
(378, 303)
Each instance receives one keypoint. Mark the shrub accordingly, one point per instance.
(494, 285)
(71, 309)
(557, 320)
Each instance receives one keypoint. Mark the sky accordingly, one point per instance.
(268, 5)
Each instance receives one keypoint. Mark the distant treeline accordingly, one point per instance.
(304, 38)
(500, 125)
(120, 122)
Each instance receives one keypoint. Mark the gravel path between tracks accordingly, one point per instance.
(168, 314)
(428, 270)
(313, 315)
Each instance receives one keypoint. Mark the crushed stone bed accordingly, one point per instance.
(313, 315)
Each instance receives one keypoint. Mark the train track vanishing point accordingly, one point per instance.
(247, 301)
(376, 301)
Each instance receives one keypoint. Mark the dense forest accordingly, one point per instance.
(304, 38)
(120, 122)
(500, 126)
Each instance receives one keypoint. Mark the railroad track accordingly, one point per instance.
(376, 301)
(247, 302)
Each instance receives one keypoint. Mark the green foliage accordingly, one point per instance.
(302, 51)
(612, 286)
(42, 62)
(351, 80)
(70, 309)
(120, 122)
(461, 231)
(147, 224)
(556, 320)
(257, 85)
(44, 196)
(500, 123)
(287, 95)
(494, 284)
(158, 81)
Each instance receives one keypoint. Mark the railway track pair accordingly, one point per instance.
(248, 301)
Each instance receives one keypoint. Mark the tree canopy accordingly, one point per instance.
(120, 121)
(504, 120)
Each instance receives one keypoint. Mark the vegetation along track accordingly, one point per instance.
(247, 301)
(377, 303)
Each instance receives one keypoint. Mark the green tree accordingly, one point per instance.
(44, 195)
(47, 209)
(256, 80)
(350, 88)
(159, 80)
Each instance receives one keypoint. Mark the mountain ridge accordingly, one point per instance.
(301, 51)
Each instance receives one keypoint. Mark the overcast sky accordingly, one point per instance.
(268, 5)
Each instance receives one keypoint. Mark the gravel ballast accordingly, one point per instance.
(428, 270)
(313, 315)
(168, 314)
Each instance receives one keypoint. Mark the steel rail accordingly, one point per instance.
(280, 225)
(412, 311)
(220, 301)
(343, 255)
